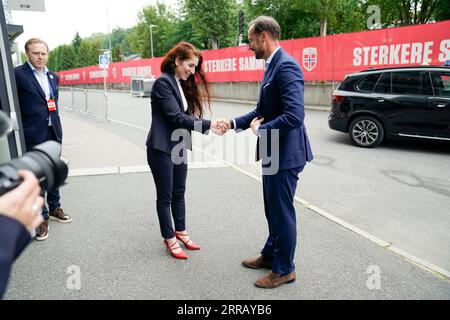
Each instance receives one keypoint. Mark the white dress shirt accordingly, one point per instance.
(43, 82)
(269, 59)
(183, 98)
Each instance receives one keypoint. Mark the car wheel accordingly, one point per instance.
(366, 132)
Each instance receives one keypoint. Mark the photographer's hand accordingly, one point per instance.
(24, 203)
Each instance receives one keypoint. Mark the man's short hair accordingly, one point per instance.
(267, 24)
(35, 40)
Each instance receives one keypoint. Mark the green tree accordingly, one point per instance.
(214, 20)
(184, 31)
(294, 20)
(443, 10)
(118, 36)
(139, 37)
(53, 60)
(410, 12)
(117, 53)
(23, 56)
(98, 36)
(66, 57)
(76, 42)
(349, 17)
(89, 52)
(324, 10)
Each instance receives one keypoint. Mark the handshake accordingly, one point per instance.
(221, 126)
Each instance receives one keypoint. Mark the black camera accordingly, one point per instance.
(44, 161)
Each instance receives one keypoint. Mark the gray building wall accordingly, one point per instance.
(316, 94)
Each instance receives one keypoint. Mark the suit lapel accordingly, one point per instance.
(268, 73)
(34, 80)
(52, 83)
(177, 90)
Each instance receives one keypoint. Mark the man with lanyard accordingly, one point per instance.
(37, 88)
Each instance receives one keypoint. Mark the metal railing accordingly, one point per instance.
(90, 101)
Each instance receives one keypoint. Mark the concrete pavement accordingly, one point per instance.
(114, 243)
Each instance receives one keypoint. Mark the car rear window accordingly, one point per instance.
(367, 83)
(348, 84)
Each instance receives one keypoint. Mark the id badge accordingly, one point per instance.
(51, 104)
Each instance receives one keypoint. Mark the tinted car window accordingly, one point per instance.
(406, 83)
(427, 88)
(367, 83)
(384, 85)
(348, 84)
(441, 83)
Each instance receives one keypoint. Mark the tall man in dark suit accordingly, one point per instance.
(37, 88)
(283, 146)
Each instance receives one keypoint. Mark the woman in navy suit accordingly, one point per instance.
(177, 109)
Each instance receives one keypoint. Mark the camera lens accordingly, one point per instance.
(44, 161)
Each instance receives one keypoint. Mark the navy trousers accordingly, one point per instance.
(53, 197)
(170, 182)
(279, 192)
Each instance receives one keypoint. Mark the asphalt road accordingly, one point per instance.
(113, 249)
(398, 192)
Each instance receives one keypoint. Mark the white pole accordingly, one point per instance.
(151, 39)
(109, 32)
(106, 94)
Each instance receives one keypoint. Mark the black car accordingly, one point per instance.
(406, 102)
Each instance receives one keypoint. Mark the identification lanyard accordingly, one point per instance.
(51, 103)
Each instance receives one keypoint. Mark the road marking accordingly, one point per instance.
(136, 169)
(441, 272)
(436, 270)
(129, 125)
(93, 171)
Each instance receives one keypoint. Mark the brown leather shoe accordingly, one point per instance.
(59, 215)
(42, 231)
(257, 263)
(273, 280)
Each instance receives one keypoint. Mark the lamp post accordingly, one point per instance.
(109, 32)
(151, 37)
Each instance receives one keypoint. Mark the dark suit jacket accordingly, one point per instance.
(33, 106)
(281, 105)
(168, 115)
(13, 239)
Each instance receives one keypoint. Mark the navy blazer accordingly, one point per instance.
(33, 106)
(281, 105)
(13, 239)
(168, 115)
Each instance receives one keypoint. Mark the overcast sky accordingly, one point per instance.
(63, 18)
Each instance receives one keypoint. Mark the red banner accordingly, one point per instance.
(321, 58)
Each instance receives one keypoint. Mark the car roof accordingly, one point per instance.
(394, 69)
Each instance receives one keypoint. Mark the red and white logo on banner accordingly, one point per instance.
(309, 58)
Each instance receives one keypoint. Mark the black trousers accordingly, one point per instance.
(279, 192)
(170, 182)
(53, 197)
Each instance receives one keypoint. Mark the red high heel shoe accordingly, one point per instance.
(173, 246)
(190, 245)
